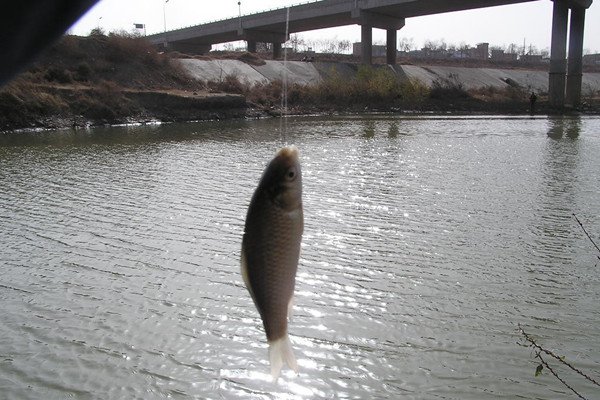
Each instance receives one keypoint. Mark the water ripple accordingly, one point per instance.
(427, 241)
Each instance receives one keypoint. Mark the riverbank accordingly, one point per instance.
(99, 80)
(106, 80)
(55, 107)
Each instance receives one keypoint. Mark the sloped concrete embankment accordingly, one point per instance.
(305, 73)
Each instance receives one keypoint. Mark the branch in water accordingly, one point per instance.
(587, 234)
(538, 355)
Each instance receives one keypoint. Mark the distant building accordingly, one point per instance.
(500, 55)
(481, 51)
(377, 49)
(591, 59)
(531, 58)
(435, 54)
(461, 54)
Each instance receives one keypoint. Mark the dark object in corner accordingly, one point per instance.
(27, 27)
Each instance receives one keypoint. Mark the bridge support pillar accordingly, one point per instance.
(251, 46)
(369, 20)
(366, 43)
(556, 83)
(276, 50)
(574, 64)
(390, 46)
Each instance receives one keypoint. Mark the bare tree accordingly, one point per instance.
(532, 49)
(296, 41)
(406, 44)
(512, 48)
(329, 45)
(442, 45)
(435, 45)
(429, 45)
(344, 46)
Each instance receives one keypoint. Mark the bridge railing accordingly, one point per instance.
(234, 17)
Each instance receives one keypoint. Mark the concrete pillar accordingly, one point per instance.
(366, 43)
(251, 46)
(558, 48)
(574, 65)
(390, 46)
(276, 50)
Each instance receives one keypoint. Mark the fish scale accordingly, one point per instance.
(276, 283)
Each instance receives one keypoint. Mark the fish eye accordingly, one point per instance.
(290, 175)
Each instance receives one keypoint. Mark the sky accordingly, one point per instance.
(528, 23)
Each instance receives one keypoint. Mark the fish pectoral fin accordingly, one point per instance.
(280, 353)
(290, 308)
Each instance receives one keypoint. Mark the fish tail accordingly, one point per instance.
(280, 353)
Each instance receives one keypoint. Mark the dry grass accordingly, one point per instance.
(89, 77)
(496, 94)
(127, 60)
(21, 99)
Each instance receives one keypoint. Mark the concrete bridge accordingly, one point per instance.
(276, 25)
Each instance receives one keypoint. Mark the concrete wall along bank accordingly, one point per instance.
(306, 73)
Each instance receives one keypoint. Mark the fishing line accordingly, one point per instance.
(284, 84)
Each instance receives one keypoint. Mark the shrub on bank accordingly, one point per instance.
(449, 88)
(269, 94)
(495, 94)
(229, 84)
(370, 86)
(59, 75)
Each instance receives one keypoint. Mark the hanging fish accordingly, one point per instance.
(271, 249)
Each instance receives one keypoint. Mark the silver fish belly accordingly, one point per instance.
(271, 249)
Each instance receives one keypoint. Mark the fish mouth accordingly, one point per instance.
(289, 152)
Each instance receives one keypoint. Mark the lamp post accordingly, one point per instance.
(165, 21)
(240, 13)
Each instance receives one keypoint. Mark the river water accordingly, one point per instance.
(428, 240)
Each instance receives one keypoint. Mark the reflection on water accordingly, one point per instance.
(369, 129)
(560, 126)
(393, 130)
(427, 241)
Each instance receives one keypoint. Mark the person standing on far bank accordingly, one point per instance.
(532, 100)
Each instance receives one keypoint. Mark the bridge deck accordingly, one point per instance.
(270, 26)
